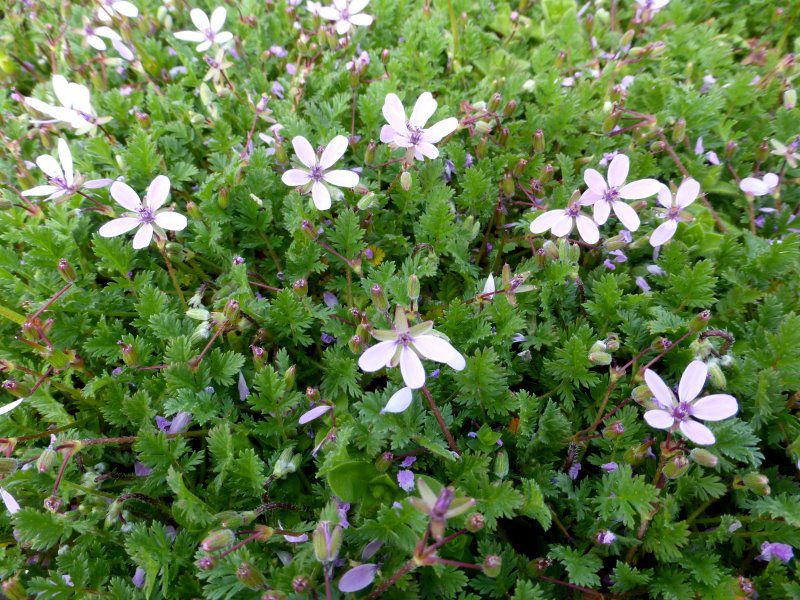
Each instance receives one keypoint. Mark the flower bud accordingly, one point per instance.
(413, 287)
(384, 462)
(600, 358)
(369, 154)
(232, 519)
(483, 127)
(494, 102)
(716, 375)
(611, 120)
(250, 576)
(547, 174)
(13, 589)
(730, 149)
(616, 242)
(379, 298)
(289, 376)
(700, 320)
(231, 310)
(588, 23)
(45, 460)
(356, 344)
(679, 130)
(636, 454)
(259, 356)
(502, 139)
(626, 38)
(217, 540)
(327, 542)
(508, 185)
(299, 584)
(676, 466)
(385, 56)
(491, 565)
(614, 430)
(309, 229)
(758, 483)
(66, 270)
(501, 464)
(538, 141)
(519, 168)
(8, 466)
(789, 99)
(560, 59)
(612, 342)
(193, 211)
(405, 180)
(113, 514)
(300, 287)
(273, 595)
(658, 147)
(206, 563)
(510, 108)
(129, 355)
(475, 522)
(367, 201)
(550, 250)
(703, 457)
(762, 152)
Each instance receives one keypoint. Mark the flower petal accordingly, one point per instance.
(424, 108)
(333, 151)
(489, 287)
(305, 153)
(94, 184)
(12, 506)
(626, 215)
(223, 37)
(771, 180)
(399, 401)
(361, 20)
(427, 150)
(342, 26)
(663, 233)
(589, 197)
(687, 193)
(358, 578)
(49, 166)
(65, 157)
(618, 170)
(587, 229)
(394, 113)
(378, 356)
(435, 348)
(356, 6)
(125, 196)
(387, 134)
(697, 432)
(342, 178)
(171, 220)
(143, 237)
(659, 389)
(190, 36)
(545, 221)
(10, 406)
(126, 9)
(314, 413)
(753, 186)
(715, 407)
(563, 226)
(217, 18)
(157, 192)
(295, 177)
(660, 419)
(692, 381)
(595, 181)
(641, 188)
(664, 197)
(411, 368)
(200, 19)
(118, 227)
(41, 190)
(601, 210)
(321, 196)
(443, 128)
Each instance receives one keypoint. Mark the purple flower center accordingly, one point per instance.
(611, 195)
(682, 411)
(146, 215)
(405, 339)
(415, 134)
(573, 210)
(209, 34)
(317, 172)
(674, 213)
(344, 14)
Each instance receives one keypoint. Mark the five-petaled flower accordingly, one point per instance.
(75, 109)
(405, 346)
(317, 175)
(208, 30)
(62, 178)
(686, 194)
(412, 133)
(609, 196)
(144, 215)
(346, 14)
(94, 37)
(682, 414)
(760, 186)
(561, 221)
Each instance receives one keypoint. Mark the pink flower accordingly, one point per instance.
(403, 346)
(686, 194)
(608, 196)
(670, 415)
(62, 178)
(412, 133)
(561, 221)
(144, 215)
(346, 13)
(317, 175)
(208, 30)
(760, 187)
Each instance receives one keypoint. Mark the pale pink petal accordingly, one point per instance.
(626, 215)
(217, 18)
(660, 419)
(50, 166)
(427, 149)
(321, 196)
(771, 180)
(435, 348)
(715, 407)
(545, 221)
(118, 226)
(314, 413)
(125, 8)
(12, 506)
(200, 19)
(697, 432)
(563, 226)
(692, 380)
(96, 42)
(41, 190)
(687, 193)
(342, 27)
(423, 110)
(143, 237)
(587, 229)
(399, 401)
(342, 178)
(378, 356)
(411, 368)
(107, 32)
(305, 153)
(333, 152)
(387, 134)
(190, 36)
(358, 578)
(361, 20)
(753, 186)
(61, 88)
(601, 210)
(618, 170)
(394, 113)
(589, 197)
(171, 220)
(641, 188)
(664, 197)
(65, 157)
(125, 196)
(489, 287)
(295, 177)
(595, 181)
(663, 233)
(443, 128)
(10, 406)
(157, 192)
(659, 389)
(356, 6)
(223, 37)
(94, 184)
(329, 13)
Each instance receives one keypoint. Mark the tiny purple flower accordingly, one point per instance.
(609, 467)
(574, 470)
(605, 537)
(405, 479)
(408, 461)
(642, 283)
(770, 550)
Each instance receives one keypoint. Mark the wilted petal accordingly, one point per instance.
(118, 226)
(333, 151)
(659, 389)
(663, 233)
(321, 196)
(378, 356)
(157, 192)
(143, 237)
(618, 170)
(314, 413)
(595, 181)
(642, 188)
(171, 220)
(358, 578)
(435, 348)
(545, 221)
(399, 401)
(411, 368)
(660, 419)
(697, 432)
(125, 196)
(587, 229)
(715, 407)
(626, 215)
(692, 381)
(423, 110)
(342, 178)
(305, 153)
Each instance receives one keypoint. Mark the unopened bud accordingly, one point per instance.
(250, 576)
(300, 287)
(703, 457)
(612, 342)
(289, 377)
(676, 466)
(588, 23)
(519, 168)
(231, 310)
(636, 454)
(614, 430)
(560, 59)
(309, 230)
(129, 355)
(547, 174)
(716, 375)
(379, 298)
(66, 270)
(550, 250)
(658, 147)
(413, 287)
(626, 38)
(45, 460)
(600, 358)
(501, 464)
(193, 211)
(356, 344)
(475, 522)
(273, 595)
(384, 462)
(700, 320)
(312, 394)
(206, 563)
(13, 589)
(217, 540)
(538, 141)
(508, 185)
(113, 514)
(502, 139)
(299, 584)
(679, 130)
(367, 201)
(789, 99)
(259, 356)
(762, 152)
(510, 108)
(492, 565)
(730, 149)
(405, 180)
(384, 56)
(494, 102)
(757, 483)
(286, 464)
(369, 154)
(8, 466)
(327, 542)
(611, 120)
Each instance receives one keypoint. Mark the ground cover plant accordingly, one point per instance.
(429, 299)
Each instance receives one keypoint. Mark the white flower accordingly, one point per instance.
(346, 13)
(75, 109)
(670, 414)
(116, 8)
(63, 180)
(403, 346)
(411, 133)
(760, 187)
(561, 222)
(607, 196)
(317, 175)
(144, 215)
(686, 194)
(489, 287)
(208, 30)
(94, 37)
